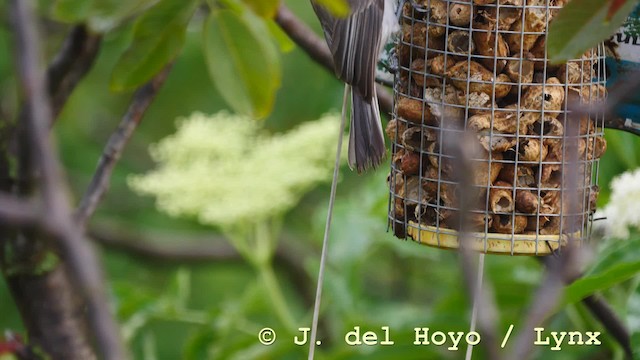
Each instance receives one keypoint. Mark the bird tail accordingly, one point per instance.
(366, 140)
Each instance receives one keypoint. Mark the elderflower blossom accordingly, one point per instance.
(224, 170)
(623, 210)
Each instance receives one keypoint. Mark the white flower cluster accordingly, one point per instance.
(223, 169)
(623, 210)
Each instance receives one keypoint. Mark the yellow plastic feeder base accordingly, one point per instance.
(505, 244)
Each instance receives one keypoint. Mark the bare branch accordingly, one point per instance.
(616, 95)
(560, 268)
(564, 265)
(75, 58)
(59, 327)
(318, 50)
(161, 246)
(17, 212)
(615, 327)
(112, 152)
(481, 293)
(191, 248)
(620, 92)
(602, 311)
(617, 123)
(78, 253)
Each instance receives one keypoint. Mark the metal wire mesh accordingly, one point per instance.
(481, 67)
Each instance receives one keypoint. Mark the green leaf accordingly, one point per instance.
(242, 61)
(615, 266)
(281, 38)
(584, 287)
(616, 253)
(633, 311)
(71, 11)
(107, 14)
(581, 25)
(179, 290)
(263, 8)
(102, 15)
(337, 7)
(197, 347)
(626, 148)
(158, 37)
(132, 299)
(635, 345)
(149, 346)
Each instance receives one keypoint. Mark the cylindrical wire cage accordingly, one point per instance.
(480, 67)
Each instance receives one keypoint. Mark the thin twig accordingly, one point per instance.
(78, 253)
(74, 60)
(560, 268)
(617, 123)
(480, 292)
(318, 50)
(476, 303)
(616, 95)
(564, 265)
(112, 152)
(602, 311)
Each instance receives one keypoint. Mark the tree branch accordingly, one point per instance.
(616, 95)
(195, 248)
(480, 291)
(77, 252)
(190, 249)
(560, 268)
(318, 50)
(112, 152)
(73, 61)
(601, 310)
(565, 264)
(55, 322)
(17, 212)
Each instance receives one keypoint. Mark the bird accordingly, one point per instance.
(355, 42)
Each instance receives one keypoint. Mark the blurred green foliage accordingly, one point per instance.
(214, 310)
(583, 24)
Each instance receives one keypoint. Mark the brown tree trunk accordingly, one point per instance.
(52, 314)
(51, 310)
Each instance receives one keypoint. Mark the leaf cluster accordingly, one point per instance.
(240, 41)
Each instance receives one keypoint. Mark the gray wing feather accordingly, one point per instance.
(354, 42)
(366, 142)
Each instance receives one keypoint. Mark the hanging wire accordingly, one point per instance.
(327, 227)
(476, 303)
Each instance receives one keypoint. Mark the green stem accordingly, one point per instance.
(259, 254)
(239, 240)
(270, 282)
(263, 250)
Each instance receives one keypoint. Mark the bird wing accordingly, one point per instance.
(354, 42)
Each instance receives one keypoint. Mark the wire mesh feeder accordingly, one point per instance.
(480, 67)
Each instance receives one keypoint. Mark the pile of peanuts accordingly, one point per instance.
(479, 67)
